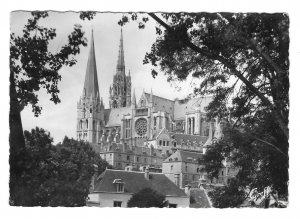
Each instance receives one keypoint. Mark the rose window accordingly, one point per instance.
(141, 126)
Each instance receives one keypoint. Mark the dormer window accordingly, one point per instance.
(119, 184)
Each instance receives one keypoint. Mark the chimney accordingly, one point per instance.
(177, 179)
(94, 177)
(187, 189)
(147, 173)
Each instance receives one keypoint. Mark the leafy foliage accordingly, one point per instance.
(229, 196)
(33, 66)
(260, 159)
(57, 175)
(146, 198)
(242, 60)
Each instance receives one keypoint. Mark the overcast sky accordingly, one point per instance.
(60, 119)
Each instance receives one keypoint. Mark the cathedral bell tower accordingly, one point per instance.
(90, 110)
(120, 91)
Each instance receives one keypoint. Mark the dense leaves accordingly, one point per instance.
(57, 175)
(259, 159)
(34, 66)
(242, 60)
(146, 198)
(229, 196)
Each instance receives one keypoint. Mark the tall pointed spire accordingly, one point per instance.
(151, 97)
(121, 62)
(133, 101)
(91, 87)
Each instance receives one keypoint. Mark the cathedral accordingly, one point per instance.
(139, 132)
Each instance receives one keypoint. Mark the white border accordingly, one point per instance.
(154, 5)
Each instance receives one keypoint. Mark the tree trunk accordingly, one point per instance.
(17, 149)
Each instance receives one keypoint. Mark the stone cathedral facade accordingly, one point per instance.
(135, 132)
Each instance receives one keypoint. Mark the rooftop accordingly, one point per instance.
(185, 156)
(136, 181)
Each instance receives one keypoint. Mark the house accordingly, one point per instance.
(114, 188)
(184, 167)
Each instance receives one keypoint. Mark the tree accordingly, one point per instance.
(242, 60)
(259, 162)
(32, 67)
(229, 196)
(57, 175)
(146, 198)
(253, 48)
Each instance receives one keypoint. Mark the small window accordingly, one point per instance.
(167, 143)
(164, 143)
(160, 142)
(145, 160)
(137, 159)
(120, 187)
(128, 158)
(117, 204)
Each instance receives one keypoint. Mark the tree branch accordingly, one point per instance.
(230, 66)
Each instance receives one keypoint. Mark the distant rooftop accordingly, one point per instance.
(136, 181)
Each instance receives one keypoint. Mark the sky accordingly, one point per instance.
(60, 119)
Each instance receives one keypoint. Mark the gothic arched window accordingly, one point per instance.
(114, 105)
(94, 125)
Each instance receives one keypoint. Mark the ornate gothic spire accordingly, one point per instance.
(91, 87)
(121, 62)
(133, 101)
(151, 97)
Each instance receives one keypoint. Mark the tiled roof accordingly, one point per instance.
(135, 181)
(201, 200)
(185, 156)
(113, 116)
(161, 104)
(179, 137)
(181, 107)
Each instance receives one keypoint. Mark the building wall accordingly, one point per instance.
(182, 202)
(120, 160)
(107, 199)
(189, 173)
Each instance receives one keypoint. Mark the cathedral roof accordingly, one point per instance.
(114, 116)
(181, 107)
(185, 156)
(161, 104)
(179, 137)
(91, 87)
(136, 181)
